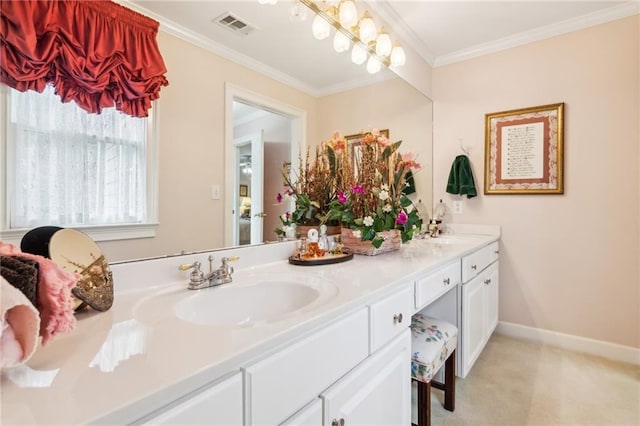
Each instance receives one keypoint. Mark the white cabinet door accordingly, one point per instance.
(473, 318)
(479, 316)
(310, 415)
(491, 290)
(219, 405)
(377, 392)
(283, 383)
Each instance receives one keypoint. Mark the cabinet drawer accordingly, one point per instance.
(283, 383)
(390, 316)
(474, 263)
(494, 251)
(434, 285)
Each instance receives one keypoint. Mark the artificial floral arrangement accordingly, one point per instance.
(371, 198)
(314, 185)
(362, 189)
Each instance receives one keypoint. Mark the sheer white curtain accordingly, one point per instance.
(69, 167)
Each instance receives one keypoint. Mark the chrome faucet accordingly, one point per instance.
(199, 280)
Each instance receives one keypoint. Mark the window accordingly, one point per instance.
(69, 168)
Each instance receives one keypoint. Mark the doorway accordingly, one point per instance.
(252, 122)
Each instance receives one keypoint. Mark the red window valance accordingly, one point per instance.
(97, 53)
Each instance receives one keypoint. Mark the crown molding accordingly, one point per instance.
(407, 37)
(210, 45)
(596, 18)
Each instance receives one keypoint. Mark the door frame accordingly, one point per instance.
(298, 119)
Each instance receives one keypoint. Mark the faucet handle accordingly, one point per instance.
(225, 263)
(196, 276)
(186, 266)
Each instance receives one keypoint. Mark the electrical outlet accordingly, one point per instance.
(457, 206)
(215, 192)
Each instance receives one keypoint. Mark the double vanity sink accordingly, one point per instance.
(161, 341)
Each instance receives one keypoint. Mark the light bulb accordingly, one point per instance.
(367, 29)
(341, 42)
(348, 14)
(373, 65)
(320, 28)
(398, 58)
(358, 54)
(383, 44)
(297, 12)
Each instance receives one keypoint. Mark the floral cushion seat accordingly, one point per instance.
(433, 340)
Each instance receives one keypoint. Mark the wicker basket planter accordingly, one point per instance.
(392, 241)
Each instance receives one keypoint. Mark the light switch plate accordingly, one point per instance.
(215, 192)
(457, 206)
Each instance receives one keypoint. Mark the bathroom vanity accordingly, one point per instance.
(281, 344)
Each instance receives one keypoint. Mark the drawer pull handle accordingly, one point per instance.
(336, 422)
(487, 281)
(446, 281)
(397, 319)
(474, 267)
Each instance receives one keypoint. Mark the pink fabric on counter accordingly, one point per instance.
(54, 293)
(19, 324)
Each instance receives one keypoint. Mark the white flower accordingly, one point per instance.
(356, 233)
(387, 208)
(284, 218)
(384, 187)
(368, 221)
(384, 195)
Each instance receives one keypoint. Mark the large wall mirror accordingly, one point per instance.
(202, 145)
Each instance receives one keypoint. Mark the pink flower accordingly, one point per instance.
(408, 158)
(279, 198)
(402, 218)
(358, 189)
(384, 141)
(341, 197)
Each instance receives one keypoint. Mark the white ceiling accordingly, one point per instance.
(441, 32)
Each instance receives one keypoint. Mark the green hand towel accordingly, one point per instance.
(461, 178)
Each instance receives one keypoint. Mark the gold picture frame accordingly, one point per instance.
(354, 142)
(524, 151)
(244, 191)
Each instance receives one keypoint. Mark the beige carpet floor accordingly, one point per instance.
(517, 382)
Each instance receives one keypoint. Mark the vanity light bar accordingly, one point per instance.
(331, 16)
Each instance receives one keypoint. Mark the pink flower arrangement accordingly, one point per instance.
(371, 197)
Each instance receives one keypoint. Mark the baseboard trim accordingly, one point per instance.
(608, 350)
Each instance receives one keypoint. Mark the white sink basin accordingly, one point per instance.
(249, 301)
(230, 305)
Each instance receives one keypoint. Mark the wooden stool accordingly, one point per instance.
(433, 343)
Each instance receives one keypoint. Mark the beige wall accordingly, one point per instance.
(568, 263)
(192, 147)
(393, 105)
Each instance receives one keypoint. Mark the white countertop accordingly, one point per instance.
(121, 364)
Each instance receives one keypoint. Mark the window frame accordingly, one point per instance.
(96, 232)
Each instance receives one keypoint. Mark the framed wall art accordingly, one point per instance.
(354, 145)
(244, 190)
(524, 151)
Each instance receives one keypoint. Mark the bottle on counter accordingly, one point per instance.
(323, 241)
(434, 228)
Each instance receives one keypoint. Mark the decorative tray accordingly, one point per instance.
(327, 259)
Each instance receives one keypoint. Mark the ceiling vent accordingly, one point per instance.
(233, 23)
